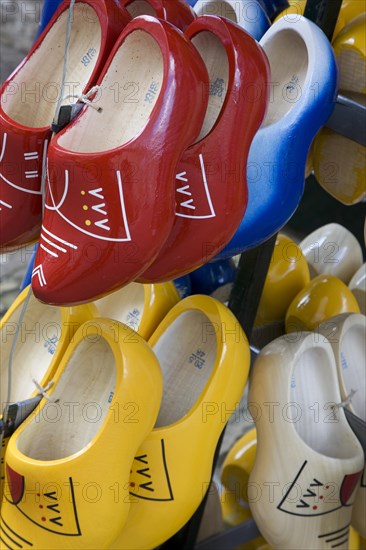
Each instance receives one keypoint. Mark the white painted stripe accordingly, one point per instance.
(5, 204)
(3, 146)
(122, 201)
(206, 185)
(96, 193)
(180, 176)
(58, 238)
(66, 188)
(184, 191)
(53, 244)
(20, 188)
(49, 251)
(39, 277)
(31, 174)
(38, 270)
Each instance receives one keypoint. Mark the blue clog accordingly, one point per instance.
(211, 276)
(302, 94)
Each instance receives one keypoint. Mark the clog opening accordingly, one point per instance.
(214, 55)
(219, 8)
(187, 353)
(84, 391)
(140, 7)
(126, 305)
(353, 364)
(314, 391)
(288, 57)
(129, 92)
(36, 345)
(32, 95)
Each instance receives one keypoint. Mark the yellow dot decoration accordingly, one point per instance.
(85, 207)
(87, 222)
(82, 192)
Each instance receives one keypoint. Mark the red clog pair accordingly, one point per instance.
(29, 97)
(110, 199)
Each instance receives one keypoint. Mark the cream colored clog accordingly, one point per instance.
(309, 462)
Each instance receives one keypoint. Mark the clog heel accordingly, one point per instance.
(179, 13)
(308, 484)
(68, 465)
(28, 103)
(110, 206)
(204, 357)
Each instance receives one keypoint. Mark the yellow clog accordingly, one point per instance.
(204, 356)
(235, 473)
(288, 273)
(43, 337)
(234, 514)
(349, 10)
(339, 163)
(354, 539)
(234, 511)
(238, 464)
(324, 297)
(332, 250)
(68, 465)
(138, 306)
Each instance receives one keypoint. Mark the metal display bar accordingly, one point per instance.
(349, 117)
(324, 13)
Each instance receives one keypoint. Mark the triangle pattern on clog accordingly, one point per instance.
(193, 201)
(52, 507)
(149, 478)
(319, 498)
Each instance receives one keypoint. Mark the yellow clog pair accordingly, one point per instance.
(87, 469)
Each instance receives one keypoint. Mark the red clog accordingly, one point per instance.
(28, 103)
(211, 192)
(110, 189)
(177, 12)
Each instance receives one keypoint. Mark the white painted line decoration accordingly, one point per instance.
(3, 203)
(48, 251)
(38, 270)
